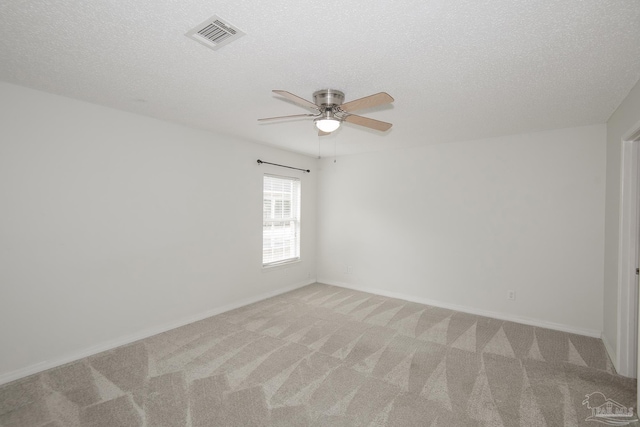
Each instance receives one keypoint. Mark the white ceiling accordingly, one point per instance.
(458, 70)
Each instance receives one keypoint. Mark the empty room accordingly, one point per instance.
(319, 213)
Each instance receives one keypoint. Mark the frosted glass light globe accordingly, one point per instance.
(327, 125)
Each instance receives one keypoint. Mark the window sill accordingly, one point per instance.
(283, 264)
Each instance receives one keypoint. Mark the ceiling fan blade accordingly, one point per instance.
(367, 122)
(367, 102)
(287, 117)
(321, 133)
(296, 99)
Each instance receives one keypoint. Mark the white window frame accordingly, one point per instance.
(280, 226)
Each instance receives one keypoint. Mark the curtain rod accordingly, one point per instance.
(283, 166)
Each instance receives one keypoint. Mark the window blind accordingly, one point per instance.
(280, 220)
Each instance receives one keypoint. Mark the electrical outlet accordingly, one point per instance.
(349, 269)
(511, 295)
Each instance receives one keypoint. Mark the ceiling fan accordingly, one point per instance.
(330, 112)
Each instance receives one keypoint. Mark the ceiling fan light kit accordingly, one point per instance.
(327, 122)
(330, 111)
(327, 125)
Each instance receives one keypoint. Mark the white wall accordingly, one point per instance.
(619, 124)
(460, 224)
(114, 226)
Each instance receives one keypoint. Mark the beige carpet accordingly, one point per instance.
(327, 356)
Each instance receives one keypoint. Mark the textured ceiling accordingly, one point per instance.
(458, 70)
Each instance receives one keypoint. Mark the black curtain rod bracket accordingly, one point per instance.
(283, 166)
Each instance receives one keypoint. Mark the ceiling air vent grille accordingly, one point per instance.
(214, 33)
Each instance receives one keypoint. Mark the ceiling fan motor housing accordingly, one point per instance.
(328, 98)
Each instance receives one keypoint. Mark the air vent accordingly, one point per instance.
(214, 33)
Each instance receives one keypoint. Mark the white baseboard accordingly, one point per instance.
(109, 345)
(613, 356)
(494, 314)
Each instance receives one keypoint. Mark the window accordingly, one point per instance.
(280, 220)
